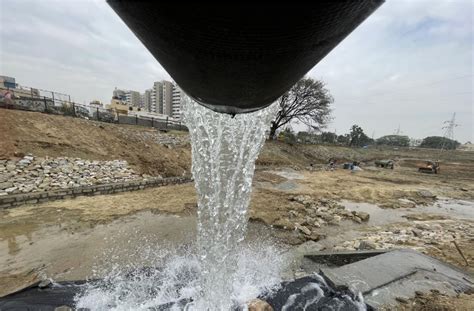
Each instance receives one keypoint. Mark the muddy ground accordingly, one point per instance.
(295, 200)
(66, 239)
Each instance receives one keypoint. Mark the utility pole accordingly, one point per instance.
(449, 130)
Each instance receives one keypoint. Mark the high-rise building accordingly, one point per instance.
(176, 103)
(163, 98)
(167, 97)
(157, 98)
(146, 100)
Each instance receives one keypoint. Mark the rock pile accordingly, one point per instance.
(308, 215)
(418, 235)
(31, 174)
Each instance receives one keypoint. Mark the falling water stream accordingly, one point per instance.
(218, 272)
(224, 150)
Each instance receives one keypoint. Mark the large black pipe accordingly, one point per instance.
(240, 57)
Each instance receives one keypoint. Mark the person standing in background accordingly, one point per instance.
(8, 95)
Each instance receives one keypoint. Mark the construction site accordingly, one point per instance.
(299, 202)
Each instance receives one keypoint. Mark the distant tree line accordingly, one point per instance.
(439, 142)
(308, 102)
(357, 138)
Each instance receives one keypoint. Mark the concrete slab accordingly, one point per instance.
(342, 258)
(398, 273)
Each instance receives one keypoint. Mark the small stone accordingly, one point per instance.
(426, 194)
(362, 215)
(304, 229)
(367, 245)
(401, 300)
(11, 189)
(45, 283)
(416, 232)
(419, 293)
(63, 308)
(422, 226)
(315, 237)
(259, 305)
(284, 224)
(5, 185)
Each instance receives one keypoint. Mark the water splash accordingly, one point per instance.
(224, 150)
(174, 280)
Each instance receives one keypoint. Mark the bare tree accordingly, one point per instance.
(307, 101)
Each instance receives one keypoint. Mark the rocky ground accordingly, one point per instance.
(434, 301)
(30, 174)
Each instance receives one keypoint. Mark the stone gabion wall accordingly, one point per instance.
(9, 201)
(32, 174)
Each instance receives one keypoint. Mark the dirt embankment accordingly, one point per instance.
(50, 135)
(41, 134)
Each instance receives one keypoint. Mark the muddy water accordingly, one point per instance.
(30, 250)
(457, 209)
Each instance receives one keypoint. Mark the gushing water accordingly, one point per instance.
(224, 150)
(218, 273)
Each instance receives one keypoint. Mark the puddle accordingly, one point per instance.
(288, 173)
(290, 184)
(69, 253)
(287, 185)
(457, 209)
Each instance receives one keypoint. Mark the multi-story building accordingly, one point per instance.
(146, 100)
(133, 98)
(176, 107)
(164, 98)
(157, 98)
(167, 97)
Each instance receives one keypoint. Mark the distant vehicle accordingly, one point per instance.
(385, 163)
(430, 167)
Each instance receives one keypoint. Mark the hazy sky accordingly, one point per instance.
(410, 64)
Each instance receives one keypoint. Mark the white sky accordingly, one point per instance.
(410, 64)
